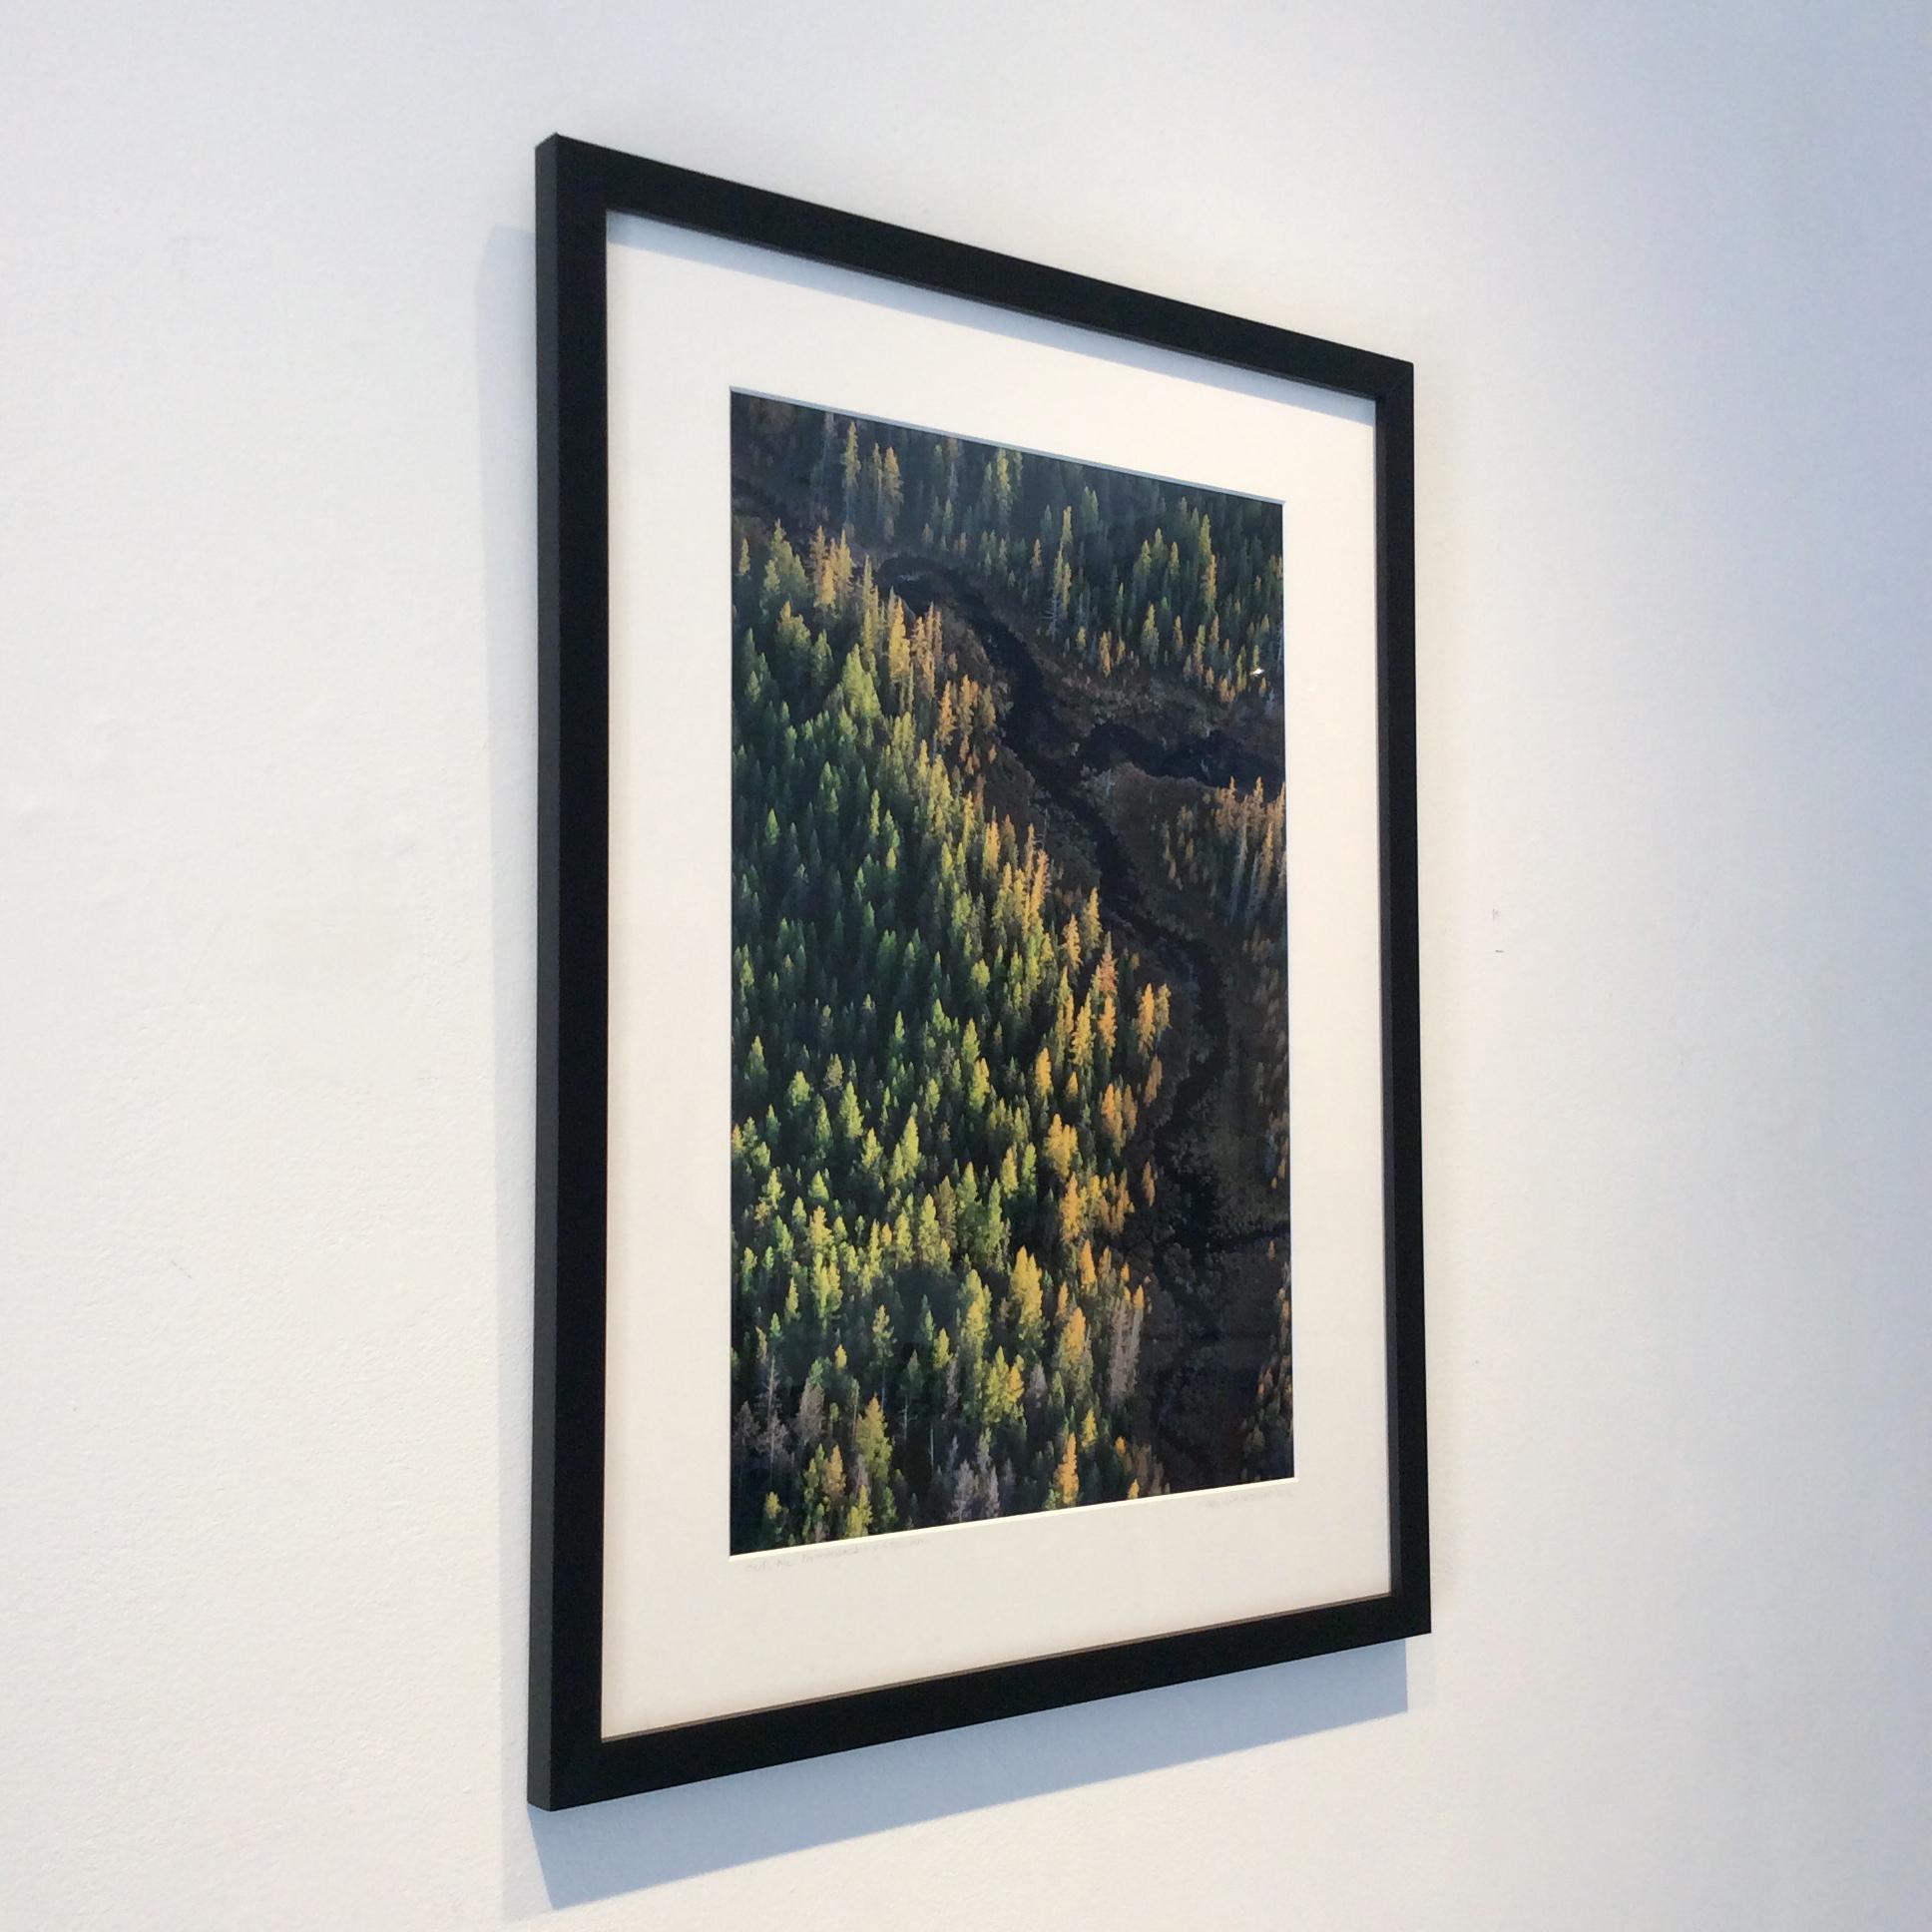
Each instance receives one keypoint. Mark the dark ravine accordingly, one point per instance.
(1188, 1243)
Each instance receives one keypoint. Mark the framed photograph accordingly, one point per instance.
(979, 1231)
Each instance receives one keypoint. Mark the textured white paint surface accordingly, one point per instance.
(267, 769)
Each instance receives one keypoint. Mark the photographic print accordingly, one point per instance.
(1010, 1133)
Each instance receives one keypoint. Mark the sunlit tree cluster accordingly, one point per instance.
(945, 1065)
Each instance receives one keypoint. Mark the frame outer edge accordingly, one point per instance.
(570, 1762)
(1402, 1126)
(567, 1451)
(542, 1454)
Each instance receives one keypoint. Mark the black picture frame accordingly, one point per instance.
(570, 1762)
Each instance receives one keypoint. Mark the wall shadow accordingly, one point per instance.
(631, 1844)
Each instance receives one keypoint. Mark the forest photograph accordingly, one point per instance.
(1010, 1131)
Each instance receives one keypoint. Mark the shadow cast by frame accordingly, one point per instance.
(637, 1843)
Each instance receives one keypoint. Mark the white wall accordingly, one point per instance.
(266, 851)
